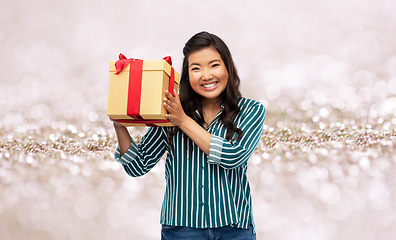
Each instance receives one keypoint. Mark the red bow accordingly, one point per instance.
(123, 62)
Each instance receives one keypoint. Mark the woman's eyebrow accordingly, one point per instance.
(195, 64)
(216, 60)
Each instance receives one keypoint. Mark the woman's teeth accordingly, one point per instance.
(209, 85)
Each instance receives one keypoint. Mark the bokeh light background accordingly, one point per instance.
(325, 70)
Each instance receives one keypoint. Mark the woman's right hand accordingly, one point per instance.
(175, 110)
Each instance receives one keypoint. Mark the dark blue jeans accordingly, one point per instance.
(223, 233)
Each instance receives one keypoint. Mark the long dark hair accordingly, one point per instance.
(192, 101)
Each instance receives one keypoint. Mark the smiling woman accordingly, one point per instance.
(216, 131)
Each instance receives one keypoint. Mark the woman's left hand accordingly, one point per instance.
(175, 110)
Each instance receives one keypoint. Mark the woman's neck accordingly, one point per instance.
(211, 104)
(210, 108)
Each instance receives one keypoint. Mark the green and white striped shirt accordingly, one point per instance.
(203, 191)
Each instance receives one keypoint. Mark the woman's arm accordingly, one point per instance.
(220, 151)
(232, 155)
(138, 159)
(123, 137)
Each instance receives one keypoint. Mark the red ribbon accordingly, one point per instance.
(172, 76)
(135, 87)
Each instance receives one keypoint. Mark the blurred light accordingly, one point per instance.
(86, 207)
(329, 193)
(306, 105)
(353, 170)
(273, 92)
(341, 210)
(320, 99)
(324, 113)
(93, 117)
(74, 169)
(364, 162)
(392, 86)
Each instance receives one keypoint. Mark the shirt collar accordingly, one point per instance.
(221, 105)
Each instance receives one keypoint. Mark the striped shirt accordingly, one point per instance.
(203, 191)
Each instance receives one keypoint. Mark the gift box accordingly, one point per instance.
(137, 89)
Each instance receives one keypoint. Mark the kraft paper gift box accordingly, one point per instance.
(137, 89)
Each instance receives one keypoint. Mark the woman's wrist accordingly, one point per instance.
(118, 125)
(184, 121)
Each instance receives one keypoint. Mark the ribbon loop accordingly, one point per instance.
(122, 63)
(168, 59)
(121, 56)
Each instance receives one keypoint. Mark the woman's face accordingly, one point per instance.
(208, 73)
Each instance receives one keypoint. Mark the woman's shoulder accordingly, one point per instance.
(250, 108)
(247, 103)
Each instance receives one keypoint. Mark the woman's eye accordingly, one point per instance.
(215, 65)
(194, 69)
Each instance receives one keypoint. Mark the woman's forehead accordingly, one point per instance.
(204, 56)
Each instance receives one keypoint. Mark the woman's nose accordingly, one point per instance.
(206, 75)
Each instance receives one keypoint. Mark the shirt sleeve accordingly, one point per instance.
(140, 158)
(233, 155)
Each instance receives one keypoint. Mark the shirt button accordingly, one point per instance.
(202, 203)
(202, 167)
(201, 186)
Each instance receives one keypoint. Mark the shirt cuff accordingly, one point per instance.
(128, 156)
(215, 149)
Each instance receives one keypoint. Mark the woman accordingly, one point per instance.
(216, 131)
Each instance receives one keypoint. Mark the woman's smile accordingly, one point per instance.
(210, 86)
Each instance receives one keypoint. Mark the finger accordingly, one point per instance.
(169, 95)
(176, 95)
(167, 101)
(167, 106)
